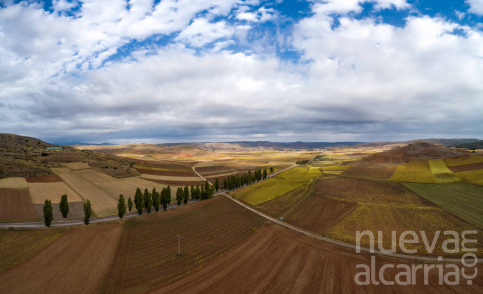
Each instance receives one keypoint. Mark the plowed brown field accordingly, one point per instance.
(373, 173)
(146, 255)
(16, 206)
(277, 260)
(75, 263)
(467, 167)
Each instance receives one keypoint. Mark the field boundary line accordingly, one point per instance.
(311, 188)
(347, 245)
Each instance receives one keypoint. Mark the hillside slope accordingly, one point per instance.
(410, 152)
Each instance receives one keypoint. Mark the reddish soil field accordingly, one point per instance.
(373, 173)
(466, 167)
(166, 173)
(317, 213)
(146, 255)
(74, 263)
(277, 260)
(176, 183)
(45, 179)
(16, 206)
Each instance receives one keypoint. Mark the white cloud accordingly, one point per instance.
(62, 5)
(201, 32)
(460, 14)
(261, 15)
(476, 6)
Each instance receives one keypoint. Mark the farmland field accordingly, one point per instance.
(467, 167)
(103, 191)
(277, 186)
(473, 177)
(414, 172)
(278, 260)
(441, 173)
(371, 173)
(52, 191)
(146, 254)
(278, 206)
(18, 245)
(335, 168)
(366, 190)
(45, 179)
(86, 255)
(16, 206)
(400, 218)
(463, 160)
(463, 200)
(13, 183)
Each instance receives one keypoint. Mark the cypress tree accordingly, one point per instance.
(168, 194)
(139, 201)
(87, 211)
(64, 206)
(186, 194)
(224, 184)
(150, 203)
(217, 184)
(192, 191)
(147, 198)
(156, 200)
(179, 196)
(164, 202)
(271, 169)
(129, 203)
(48, 214)
(264, 174)
(121, 206)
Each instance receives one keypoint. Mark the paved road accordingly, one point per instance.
(81, 222)
(346, 245)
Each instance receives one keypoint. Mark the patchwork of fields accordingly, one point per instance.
(371, 173)
(277, 186)
(414, 172)
(441, 173)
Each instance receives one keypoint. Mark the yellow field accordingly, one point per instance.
(441, 173)
(278, 185)
(414, 172)
(168, 178)
(103, 191)
(59, 170)
(387, 218)
(473, 177)
(13, 183)
(335, 168)
(334, 172)
(76, 165)
(52, 191)
(463, 160)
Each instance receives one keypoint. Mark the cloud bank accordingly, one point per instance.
(225, 70)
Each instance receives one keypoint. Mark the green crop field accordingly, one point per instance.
(414, 172)
(441, 173)
(463, 200)
(277, 186)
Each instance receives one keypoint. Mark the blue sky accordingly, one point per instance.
(228, 70)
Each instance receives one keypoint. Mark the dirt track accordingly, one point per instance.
(74, 263)
(277, 260)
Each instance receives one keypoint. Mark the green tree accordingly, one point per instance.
(48, 214)
(156, 199)
(139, 201)
(179, 196)
(192, 191)
(87, 211)
(168, 194)
(147, 198)
(162, 199)
(271, 169)
(217, 184)
(186, 194)
(64, 206)
(130, 204)
(150, 203)
(121, 206)
(265, 174)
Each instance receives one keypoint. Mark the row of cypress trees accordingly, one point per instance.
(64, 209)
(237, 181)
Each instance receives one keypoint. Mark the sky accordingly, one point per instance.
(161, 71)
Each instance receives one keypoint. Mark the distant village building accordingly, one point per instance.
(54, 148)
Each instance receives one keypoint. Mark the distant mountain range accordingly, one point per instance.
(471, 145)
